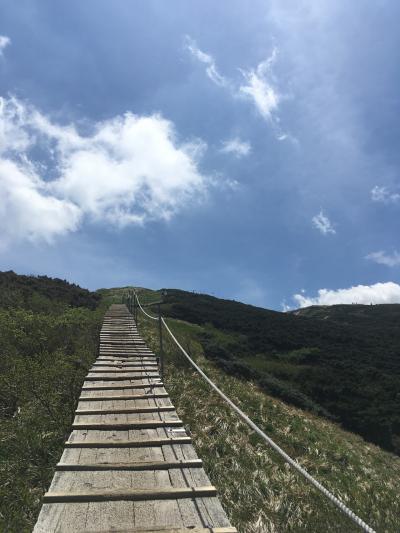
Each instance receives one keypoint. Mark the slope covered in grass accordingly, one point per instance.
(48, 339)
(342, 362)
(261, 493)
(41, 293)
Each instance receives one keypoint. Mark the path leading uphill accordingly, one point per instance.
(128, 465)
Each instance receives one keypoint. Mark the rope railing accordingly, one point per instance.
(339, 504)
(143, 311)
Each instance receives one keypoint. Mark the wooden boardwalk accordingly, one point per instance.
(128, 465)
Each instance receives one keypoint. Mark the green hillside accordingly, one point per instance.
(342, 362)
(260, 493)
(41, 293)
(48, 339)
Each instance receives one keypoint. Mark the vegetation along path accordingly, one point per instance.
(128, 463)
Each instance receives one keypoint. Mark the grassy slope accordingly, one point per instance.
(48, 339)
(45, 348)
(342, 362)
(259, 492)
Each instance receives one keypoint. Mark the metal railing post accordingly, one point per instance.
(135, 308)
(161, 343)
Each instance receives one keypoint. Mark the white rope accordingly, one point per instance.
(147, 314)
(275, 446)
(264, 436)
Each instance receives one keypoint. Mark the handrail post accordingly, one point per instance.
(161, 343)
(135, 309)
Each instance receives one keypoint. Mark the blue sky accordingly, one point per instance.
(246, 150)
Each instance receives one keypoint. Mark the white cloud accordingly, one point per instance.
(323, 224)
(236, 147)
(128, 170)
(379, 293)
(206, 59)
(27, 210)
(384, 195)
(384, 258)
(4, 42)
(259, 87)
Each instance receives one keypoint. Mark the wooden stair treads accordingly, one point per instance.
(122, 397)
(170, 530)
(150, 443)
(128, 467)
(146, 465)
(122, 410)
(129, 494)
(140, 424)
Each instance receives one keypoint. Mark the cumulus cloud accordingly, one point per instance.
(384, 195)
(4, 42)
(322, 223)
(236, 147)
(27, 210)
(259, 87)
(206, 59)
(128, 170)
(379, 293)
(383, 258)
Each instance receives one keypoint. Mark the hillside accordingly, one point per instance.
(342, 362)
(48, 338)
(259, 492)
(41, 293)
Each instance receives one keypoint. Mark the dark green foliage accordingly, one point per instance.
(41, 293)
(341, 361)
(46, 348)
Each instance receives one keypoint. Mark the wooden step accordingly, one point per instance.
(121, 378)
(106, 495)
(122, 397)
(139, 424)
(113, 410)
(119, 370)
(123, 387)
(110, 443)
(170, 530)
(138, 466)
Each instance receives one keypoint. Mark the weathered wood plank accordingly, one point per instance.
(169, 530)
(147, 409)
(145, 465)
(130, 495)
(123, 451)
(122, 397)
(127, 377)
(113, 443)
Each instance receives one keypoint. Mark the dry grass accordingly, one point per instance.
(258, 490)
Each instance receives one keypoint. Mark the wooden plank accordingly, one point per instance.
(123, 387)
(169, 530)
(139, 358)
(119, 370)
(122, 410)
(145, 465)
(123, 364)
(112, 443)
(140, 424)
(122, 397)
(119, 378)
(126, 446)
(129, 495)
